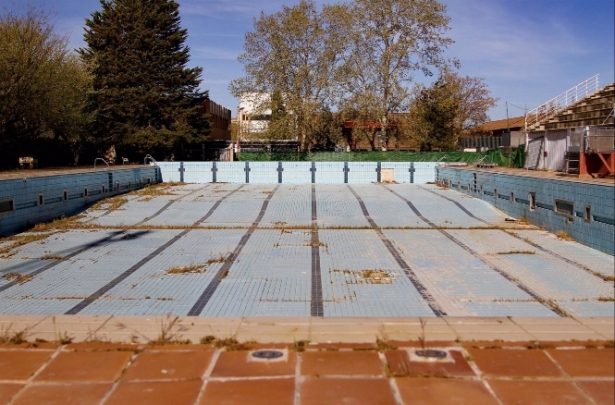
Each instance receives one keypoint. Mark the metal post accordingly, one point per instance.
(214, 172)
(181, 171)
(313, 170)
(411, 170)
(378, 172)
(280, 170)
(346, 170)
(247, 170)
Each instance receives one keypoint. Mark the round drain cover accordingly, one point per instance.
(431, 353)
(267, 354)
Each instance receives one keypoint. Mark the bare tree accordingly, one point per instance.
(388, 42)
(294, 51)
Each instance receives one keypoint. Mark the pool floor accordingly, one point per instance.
(239, 250)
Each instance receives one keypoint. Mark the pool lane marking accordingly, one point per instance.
(113, 283)
(167, 205)
(416, 282)
(89, 246)
(516, 282)
(535, 245)
(316, 303)
(213, 285)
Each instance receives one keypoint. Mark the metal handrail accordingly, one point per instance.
(557, 104)
(148, 156)
(104, 161)
(441, 160)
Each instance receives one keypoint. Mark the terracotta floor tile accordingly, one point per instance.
(168, 365)
(70, 394)
(341, 363)
(537, 392)
(103, 347)
(21, 364)
(602, 392)
(416, 343)
(337, 346)
(514, 363)
(436, 391)
(85, 366)
(7, 391)
(279, 391)
(586, 362)
(400, 365)
(178, 348)
(236, 364)
(154, 393)
(355, 391)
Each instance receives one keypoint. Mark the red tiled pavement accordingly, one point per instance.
(21, 364)
(168, 365)
(156, 393)
(436, 391)
(201, 374)
(586, 362)
(355, 391)
(517, 392)
(275, 391)
(7, 391)
(85, 366)
(68, 394)
(514, 363)
(602, 392)
(341, 363)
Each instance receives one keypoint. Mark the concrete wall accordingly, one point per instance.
(593, 206)
(64, 194)
(295, 172)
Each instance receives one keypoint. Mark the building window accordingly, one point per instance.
(85, 192)
(65, 195)
(588, 213)
(41, 199)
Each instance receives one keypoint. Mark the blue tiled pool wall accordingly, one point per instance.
(65, 194)
(513, 198)
(295, 172)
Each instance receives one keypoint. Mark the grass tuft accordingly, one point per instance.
(192, 269)
(18, 278)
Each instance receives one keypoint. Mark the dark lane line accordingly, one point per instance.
(464, 209)
(204, 298)
(316, 306)
(510, 278)
(69, 256)
(167, 205)
(416, 282)
(542, 249)
(104, 289)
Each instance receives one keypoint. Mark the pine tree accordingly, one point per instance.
(144, 98)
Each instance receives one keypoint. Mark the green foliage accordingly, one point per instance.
(327, 132)
(447, 110)
(42, 88)
(495, 156)
(144, 99)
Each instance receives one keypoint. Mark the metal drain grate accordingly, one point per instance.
(267, 354)
(431, 353)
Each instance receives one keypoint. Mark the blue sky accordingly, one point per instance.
(528, 51)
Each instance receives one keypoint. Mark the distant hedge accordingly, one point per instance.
(514, 159)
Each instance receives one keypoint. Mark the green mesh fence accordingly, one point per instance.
(508, 159)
